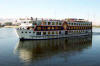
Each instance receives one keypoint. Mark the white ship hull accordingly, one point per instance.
(31, 35)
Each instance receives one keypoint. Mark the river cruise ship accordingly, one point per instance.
(52, 28)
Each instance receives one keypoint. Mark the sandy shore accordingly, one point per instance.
(11, 26)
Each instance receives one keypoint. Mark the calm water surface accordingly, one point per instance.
(74, 51)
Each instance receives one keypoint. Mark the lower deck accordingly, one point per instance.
(30, 34)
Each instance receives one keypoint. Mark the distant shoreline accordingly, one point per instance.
(19, 26)
(96, 26)
(11, 26)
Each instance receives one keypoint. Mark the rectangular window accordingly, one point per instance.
(49, 23)
(38, 33)
(59, 23)
(53, 23)
(66, 32)
(52, 32)
(44, 33)
(56, 23)
(48, 33)
(59, 32)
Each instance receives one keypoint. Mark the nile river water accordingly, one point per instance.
(73, 51)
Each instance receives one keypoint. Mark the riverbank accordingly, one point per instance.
(11, 26)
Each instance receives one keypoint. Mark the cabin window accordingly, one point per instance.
(71, 27)
(77, 28)
(43, 28)
(56, 32)
(56, 28)
(59, 23)
(69, 23)
(84, 24)
(24, 22)
(74, 27)
(44, 33)
(79, 24)
(48, 33)
(30, 21)
(49, 28)
(81, 27)
(66, 32)
(29, 32)
(22, 31)
(38, 33)
(53, 32)
(49, 23)
(53, 28)
(53, 23)
(56, 23)
(25, 32)
(59, 32)
(72, 23)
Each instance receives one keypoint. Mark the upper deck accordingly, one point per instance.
(52, 24)
(53, 21)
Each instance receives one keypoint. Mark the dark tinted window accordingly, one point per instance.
(59, 32)
(65, 32)
(38, 33)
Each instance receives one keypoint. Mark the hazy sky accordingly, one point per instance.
(86, 9)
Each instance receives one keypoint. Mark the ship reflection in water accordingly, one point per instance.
(35, 50)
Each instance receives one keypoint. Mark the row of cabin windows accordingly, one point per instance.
(80, 24)
(78, 28)
(28, 22)
(28, 32)
(49, 28)
(52, 23)
(77, 31)
(49, 33)
(44, 33)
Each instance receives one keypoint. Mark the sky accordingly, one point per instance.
(59, 9)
